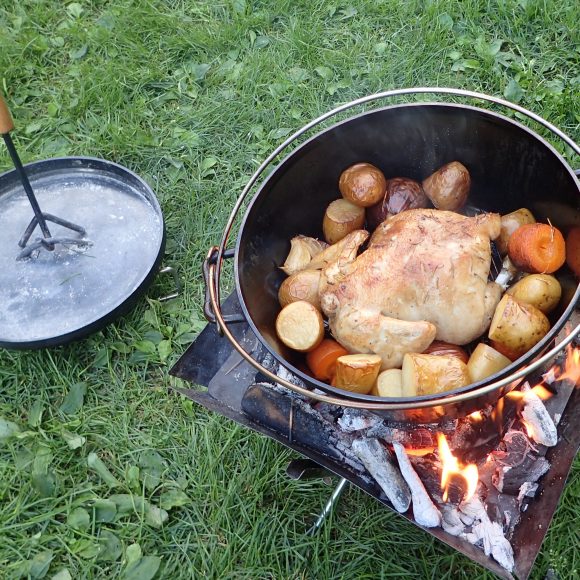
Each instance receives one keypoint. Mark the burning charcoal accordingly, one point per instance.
(539, 424)
(424, 510)
(510, 479)
(488, 533)
(353, 420)
(450, 520)
(527, 489)
(377, 461)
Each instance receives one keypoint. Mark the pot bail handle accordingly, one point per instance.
(6, 122)
(209, 279)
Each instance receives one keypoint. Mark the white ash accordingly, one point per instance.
(285, 374)
(424, 510)
(536, 416)
(376, 459)
(353, 420)
(450, 520)
(488, 534)
(527, 489)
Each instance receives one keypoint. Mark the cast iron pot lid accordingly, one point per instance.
(54, 297)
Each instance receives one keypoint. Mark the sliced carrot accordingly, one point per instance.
(322, 360)
(537, 248)
(573, 250)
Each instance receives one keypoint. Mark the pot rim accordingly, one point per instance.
(473, 389)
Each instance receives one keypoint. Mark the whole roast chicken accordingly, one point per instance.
(423, 276)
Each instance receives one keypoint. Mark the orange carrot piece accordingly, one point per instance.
(537, 248)
(322, 360)
(573, 250)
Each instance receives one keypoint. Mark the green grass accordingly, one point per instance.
(193, 96)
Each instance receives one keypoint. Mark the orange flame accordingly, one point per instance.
(476, 416)
(419, 452)
(452, 466)
(539, 390)
(571, 367)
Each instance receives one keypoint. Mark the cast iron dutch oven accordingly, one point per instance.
(511, 167)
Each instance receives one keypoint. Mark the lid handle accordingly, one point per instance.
(6, 122)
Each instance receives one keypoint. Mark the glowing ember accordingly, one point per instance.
(420, 452)
(571, 367)
(476, 416)
(452, 466)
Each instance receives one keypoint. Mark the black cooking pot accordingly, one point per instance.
(510, 166)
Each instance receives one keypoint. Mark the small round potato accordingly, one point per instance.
(401, 194)
(300, 326)
(448, 187)
(357, 372)
(509, 224)
(301, 286)
(440, 348)
(540, 290)
(340, 219)
(389, 383)
(362, 184)
(427, 374)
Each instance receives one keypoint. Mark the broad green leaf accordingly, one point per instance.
(44, 483)
(86, 548)
(128, 503)
(513, 92)
(8, 429)
(133, 554)
(324, 72)
(73, 440)
(79, 519)
(132, 477)
(555, 87)
(79, 52)
(74, 399)
(153, 336)
(239, 6)
(35, 413)
(40, 564)
(445, 21)
(143, 569)
(155, 516)
(152, 467)
(261, 42)
(145, 346)
(23, 459)
(97, 465)
(105, 510)
(75, 9)
(199, 71)
(164, 348)
(173, 498)
(208, 163)
(101, 358)
(64, 574)
(111, 547)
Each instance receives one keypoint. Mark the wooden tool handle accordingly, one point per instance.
(6, 122)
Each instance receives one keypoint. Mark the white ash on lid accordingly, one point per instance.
(424, 510)
(376, 459)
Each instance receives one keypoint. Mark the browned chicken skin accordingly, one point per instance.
(423, 276)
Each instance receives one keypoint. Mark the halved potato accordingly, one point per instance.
(517, 326)
(440, 348)
(510, 222)
(426, 374)
(389, 384)
(540, 290)
(301, 286)
(341, 218)
(299, 325)
(485, 361)
(357, 372)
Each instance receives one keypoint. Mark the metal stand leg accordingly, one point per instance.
(328, 507)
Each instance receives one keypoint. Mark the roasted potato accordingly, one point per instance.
(448, 187)
(485, 361)
(302, 285)
(299, 325)
(401, 194)
(540, 290)
(302, 250)
(439, 348)
(362, 184)
(509, 224)
(427, 374)
(389, 384)
(341, 218)
(357, 372)
(517, 326)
